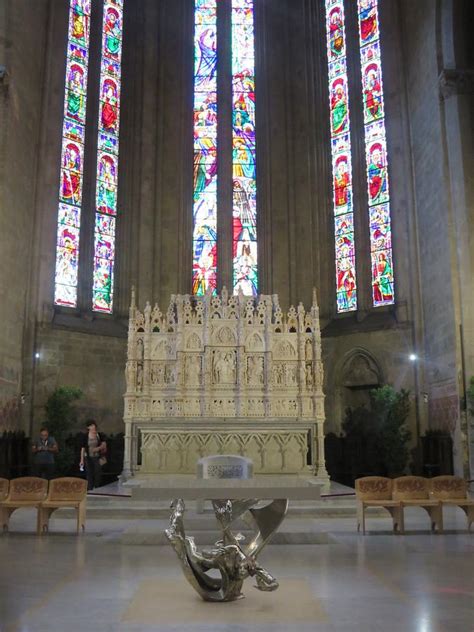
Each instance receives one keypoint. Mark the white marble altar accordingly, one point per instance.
(224, 374)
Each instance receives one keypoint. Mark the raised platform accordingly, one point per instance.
(158, 487)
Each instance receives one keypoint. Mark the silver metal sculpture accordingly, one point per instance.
(234, 560)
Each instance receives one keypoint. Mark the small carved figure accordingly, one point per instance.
(170, 375)
(217, 367)
(139, 376)
(130, 374)
(308, 350)
(309, 375)
(255, 370)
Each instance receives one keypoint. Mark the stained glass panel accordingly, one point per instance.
(346, 288)
(376, 154)
(205, 148)
(244, 184)
(72, 154)
(107, 156)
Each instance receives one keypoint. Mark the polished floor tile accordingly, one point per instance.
(419, 582)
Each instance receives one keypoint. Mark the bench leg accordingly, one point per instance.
(81, 517)
(359, 515)
(5, 513)
(436, 518)
(397, 518)
(469, 511)
(44, 514)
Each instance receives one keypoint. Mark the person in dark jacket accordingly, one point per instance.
(93, 450)
(44, 449)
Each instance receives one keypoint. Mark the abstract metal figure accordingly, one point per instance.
(234, 560)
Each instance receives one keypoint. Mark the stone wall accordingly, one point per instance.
(22, 46)
(94, 363)
(440, 101)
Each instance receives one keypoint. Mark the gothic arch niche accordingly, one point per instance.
(358, 375)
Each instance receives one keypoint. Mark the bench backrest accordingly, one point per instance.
(411, 488)
(373, 488)
(69, 488)
(444, 487)
(28, 488)
(4, 485)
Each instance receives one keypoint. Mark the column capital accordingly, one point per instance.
(455, 81)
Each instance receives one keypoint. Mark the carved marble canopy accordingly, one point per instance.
(224, 375)
(224, 357)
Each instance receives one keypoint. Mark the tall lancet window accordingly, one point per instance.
(346, 288)
(376, 154)
(205, 147)
(207, 156)
(72, 155)
(244, 183)
(107, 157)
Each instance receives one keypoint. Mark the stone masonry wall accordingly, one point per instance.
(93, 363)
(22, 43)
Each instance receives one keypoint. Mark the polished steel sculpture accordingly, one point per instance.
(234, 560)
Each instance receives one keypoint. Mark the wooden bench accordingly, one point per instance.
(453, 490)
(414, 491)
(64, 492)
(28, 491)
(376, 491)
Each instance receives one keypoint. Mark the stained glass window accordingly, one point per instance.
(205, 147)
(107, 157)
(244, 185)
(376, 154)
(72, 154)
(346, 289)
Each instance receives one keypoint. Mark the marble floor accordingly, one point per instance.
(61, 582)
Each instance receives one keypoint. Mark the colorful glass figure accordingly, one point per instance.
(72, 154)
(205, 148)
(107, 157)
(376, 154)
(346, 288)
(244, 184)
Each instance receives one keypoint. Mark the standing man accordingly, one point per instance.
(44, 449)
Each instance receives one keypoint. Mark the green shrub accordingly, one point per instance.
(61, 417)
(377, 436)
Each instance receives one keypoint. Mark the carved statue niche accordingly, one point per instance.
(308, 350)
(284, 349)
(170, 374)
(255, 373)
(223, 366)
(131, 371)
(156, 374)
(291, 370)
(254, 343)
(140, 376)
(192, 370)
(309, 374)
(140, 349)
(226, 336)
(193, 343)
(278, 374)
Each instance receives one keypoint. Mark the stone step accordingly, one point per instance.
(117, 508)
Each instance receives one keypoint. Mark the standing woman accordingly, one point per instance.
(93, 451)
